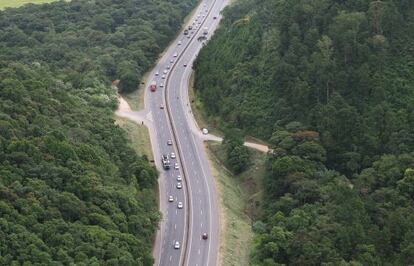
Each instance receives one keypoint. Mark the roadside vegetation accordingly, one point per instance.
(329, 84)
(73, 190)
(18, 3)
(240, 204)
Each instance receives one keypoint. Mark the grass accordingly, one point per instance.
(17, 3)
(240, 203)
(138, 136)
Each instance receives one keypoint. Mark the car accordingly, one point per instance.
(176, 167)
(179, 42)
(188, 36)
(172, 60)
(169, 142)
(179, 185)
(167, 67)
(215, 17)
(204, 236)
(172, 155)
(180, 205)
(205, 131)
(185, 65)
(165, 71)
(161, 85)
(163, 76)
(175, 54)
(162, 107)
(170, 199)
(177, 245)
(179, 178)
(157, 73)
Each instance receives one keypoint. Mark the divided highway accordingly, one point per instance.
(167, 110)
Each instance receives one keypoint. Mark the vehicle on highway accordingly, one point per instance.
(153, 85)
(162, 107)
(170, 199)
(163, 76)
(215, 17)
(172, 155)
(179, 185)
(180, 205)
(179, 42)
(165, 161)
(169, 142)
(205, 236)
(176, 167)
(205, 30)
(185, 32)
(172, 60)
(190, 27)
(157, 73)
(185, 65)
(177, 245)
(168, 66)
(161, 85)
(179, 178)
(188, 36)
(205, 131)
(165, 71)
(175, 54)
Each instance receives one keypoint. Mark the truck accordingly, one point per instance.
(205, 30)
(165, 161)
(153, 85)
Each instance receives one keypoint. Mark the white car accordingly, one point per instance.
(165, 71)
(179, 185)
(179, 42)
(161, 85)
(157, 73)
(177, 245)
(175, 55)
(185, 65)
(168, 66)
(170, 199)
(179, 178)
(180, 205)
(176, 167)
(172, 61)
(172, 155)
(169, 142)
(163, 76)
(205, 131)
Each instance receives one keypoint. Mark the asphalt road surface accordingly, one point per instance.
(168, 111)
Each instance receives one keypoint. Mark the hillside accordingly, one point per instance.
(72, 191)
(330, 84)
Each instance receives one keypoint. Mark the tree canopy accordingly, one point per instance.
(329, 84)
(72, 190)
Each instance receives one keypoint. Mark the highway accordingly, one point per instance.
(167, 112)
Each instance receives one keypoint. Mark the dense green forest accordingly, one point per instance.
(72, 191)
(330, 85)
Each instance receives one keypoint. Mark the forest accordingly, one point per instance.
(329, 84)
(72, 190)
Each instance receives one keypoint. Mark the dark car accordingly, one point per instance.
(205, 236)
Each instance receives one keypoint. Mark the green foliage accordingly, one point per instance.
(238, 155)
(330, 85)
(72, 191)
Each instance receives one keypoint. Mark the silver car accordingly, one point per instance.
(179, 185)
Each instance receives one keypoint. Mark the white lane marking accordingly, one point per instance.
(175, 226)
(201, 225)
(170, 258)
(201, 211)
(176, 211)
(199, 252)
